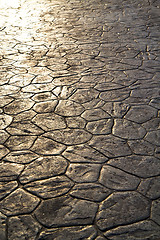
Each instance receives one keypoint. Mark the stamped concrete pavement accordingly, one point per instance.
(79, 120)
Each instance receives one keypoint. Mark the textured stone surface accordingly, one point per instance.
(21, 142)
(100, 127)
(150, 187)
(3, 226)
(18, 106)
(155, 211)
(10, 171)
(69, 108)
(95, 114)
(5, 120)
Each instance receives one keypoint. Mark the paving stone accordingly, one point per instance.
(100, 127)
(95, 103)
(75, 122)
(153, 137)
(38, 88)
(4, 100)
(95, 114)
(69, 108)
(115, 95)
(24, 128)
(10, 171)
(66, 211)
(44, 167)
(84, 153)
(110, 146)
(5, 120)
(116, 109)
(90, 191)
(8, 90)
(24, 116)
(141, 230)
(141, 147)
(74, 233)
(150, 187)
(84, 95)
(44, 107)
(141, 114)
(21, 80)
(3, 224)
(45, 96)
(6, 188)
(22, 227)
(69, 136)
(49, 188)
(49, 121)
(142, 166)
(18, 202)
(155, 211)
(117, 179)
(50, 147)
(18, 106)
(42, 79)
(22, 157)
(83, 173)
(3, 136)
(155, 102)
(112, 211)
(153, 124)
(3, 151)
(21, 142)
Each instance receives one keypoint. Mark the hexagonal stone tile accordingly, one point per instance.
(90, 191)
(142, 166)
(45, 96)
(155, 211)
(10, 171)
(141, 147)
(141, 114)
(7, 187)
(112, 211)
(117, 179)
(69, 136)
(100, 127)
(3, 224)
(44, 107)
(116, 109)
(21, 157)
(153, 137)
(74, 233)
(5, 120)
(69, 108)
(95, 114)
(18, 106)
(110, 145)
(24, 128)
(66, 211)
(49, 188)
(84, 95)
(3, 136)
(46, 146)
(128, 130)
(49, 121)
(3, 151)
(150, 187)
(75, 122)
(21, 226)
(21, 142)
(83, 172)
(44, 167)
(115, 95)
(141, 230)
(18, 202)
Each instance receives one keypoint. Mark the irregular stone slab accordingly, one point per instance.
(74, 233)
(21, 80)
(21, 157)
(128, 130)
(84, 95)
(3, 224)
(49, 188)
(69, 136)
(115, 95)
(84, 153)
(65, 211)
(5, 120)
(107, 86)
(42, 79)
(69, 108)
(21, 142)
(110, 145)
(116, 109)
(150, 187)
(67, 80)
(155, 211)
(18, 106)
(3, 136)
(44, 167)
(3, 151)
(38, 88)
(90, 191)
(83, 172)
(10, 171)
(142, 230)
(49, 121)
(75, 122)
(24, 116)
(5, 100)
(47, 146)
(141, 113)
(117, 179)
(100, 127)
(45, 96)
(24, 128)
(142, 166)
(44, 107)
(18, 202)
(66, 92)
(21, 226)
(6, 188)
(155, 102)
(141, 147)
(112, 211)
(153, 124)
(95, 114)
(153, 137)
(6, 90)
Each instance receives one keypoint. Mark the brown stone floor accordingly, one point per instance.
(79, 120)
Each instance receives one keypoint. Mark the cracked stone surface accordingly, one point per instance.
(79, 120)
